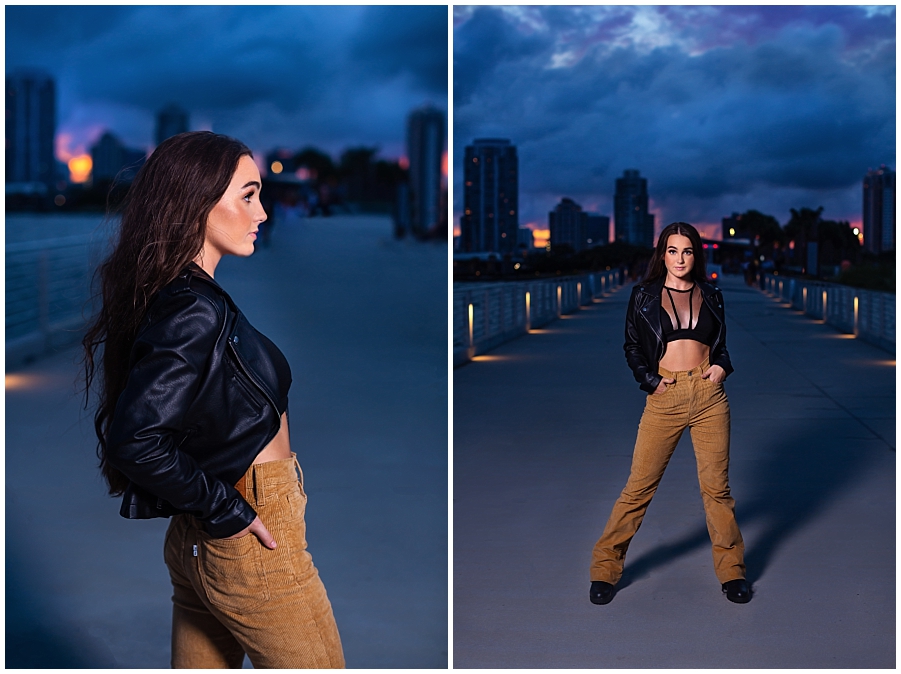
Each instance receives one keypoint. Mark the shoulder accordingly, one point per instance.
(189, 301)
(709, 288)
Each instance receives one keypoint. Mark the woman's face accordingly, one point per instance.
(232, 225)
(679, 257)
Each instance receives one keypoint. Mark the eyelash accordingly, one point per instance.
(247, 196)
(687, 252)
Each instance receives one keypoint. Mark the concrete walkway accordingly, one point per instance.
(543, 433)
(362, 320)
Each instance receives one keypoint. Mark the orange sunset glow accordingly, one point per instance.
(80, 168)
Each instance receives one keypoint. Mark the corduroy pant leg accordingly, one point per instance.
(662, 423)
(710, 435)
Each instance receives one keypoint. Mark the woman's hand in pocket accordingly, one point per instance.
(661, 387)
(715, 373)
(258, 529)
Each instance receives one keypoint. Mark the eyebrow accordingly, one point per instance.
(252, 182)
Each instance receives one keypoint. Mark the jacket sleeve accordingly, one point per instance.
(721, 357)
(169, 359)
(647, 379)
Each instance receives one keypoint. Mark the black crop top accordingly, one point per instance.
(699, 322)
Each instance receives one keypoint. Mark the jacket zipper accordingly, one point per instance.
(253, 379)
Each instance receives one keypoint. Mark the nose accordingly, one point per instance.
(261, 215)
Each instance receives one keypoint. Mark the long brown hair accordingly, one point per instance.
(162, 228)
(657, 268)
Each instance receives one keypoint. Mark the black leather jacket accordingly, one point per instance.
(201, 401)
(644, 345)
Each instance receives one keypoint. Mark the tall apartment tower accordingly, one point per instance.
(30, 127)
(490, 220)
(633, 224)
(425, 150)
(879, 210)
(569, 225)
(170, 121)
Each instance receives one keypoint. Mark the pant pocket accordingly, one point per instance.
(231, 570)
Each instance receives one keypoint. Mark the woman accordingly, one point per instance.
(676, 348)
(192, 416)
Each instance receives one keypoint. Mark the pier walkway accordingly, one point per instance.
(543, 433)
(362, 319)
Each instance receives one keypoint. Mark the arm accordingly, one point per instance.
(721, 357)
(647, 379)
(168, 361)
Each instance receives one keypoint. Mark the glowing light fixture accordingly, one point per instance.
(528, 311)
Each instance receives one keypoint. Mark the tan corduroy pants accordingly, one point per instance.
(234, 596)
(702, 406)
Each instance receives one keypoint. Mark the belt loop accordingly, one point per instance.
(258, 488)
(299, 469)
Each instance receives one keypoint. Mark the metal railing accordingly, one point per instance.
(489, 314)
(867, 314)
(47, 294)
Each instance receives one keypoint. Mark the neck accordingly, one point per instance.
(208, 261)
(678, 283)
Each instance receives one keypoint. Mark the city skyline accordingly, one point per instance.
(722, 109)
(328, 77)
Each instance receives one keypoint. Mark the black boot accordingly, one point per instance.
(738, 591)
(601, 592)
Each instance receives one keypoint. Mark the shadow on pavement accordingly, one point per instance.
(799, 478)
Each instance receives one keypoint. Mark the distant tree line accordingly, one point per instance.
(785, 249)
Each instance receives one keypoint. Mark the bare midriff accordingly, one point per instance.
(684, 354)
(279, 447)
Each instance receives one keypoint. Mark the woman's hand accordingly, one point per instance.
(661, 387)
(715, 373)
(258, 529)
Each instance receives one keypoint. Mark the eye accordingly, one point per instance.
(247, 196)
(689, 252)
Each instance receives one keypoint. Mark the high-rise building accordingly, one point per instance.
(490, 220)
(632, 221)
(598, 230)
(425, 152)
(111, 160)
(879, 210)
(569, 225)
(170, 121)
(30, 127)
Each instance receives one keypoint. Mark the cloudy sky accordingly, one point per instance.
(722, 108)
(284, 76)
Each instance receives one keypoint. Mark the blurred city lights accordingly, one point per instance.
(80, 168)
(404, 163)
(856, 231)
(541, 237)
(276, 167)
(59, 200)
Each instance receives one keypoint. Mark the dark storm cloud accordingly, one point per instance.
(721, 108)
(272, 75)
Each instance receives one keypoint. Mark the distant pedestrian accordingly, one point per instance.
(676, 348)
(192, 416)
